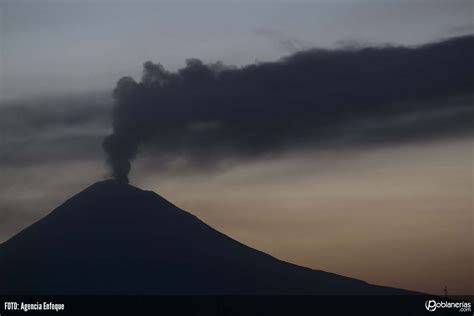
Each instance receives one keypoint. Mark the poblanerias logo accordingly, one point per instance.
(432, 305)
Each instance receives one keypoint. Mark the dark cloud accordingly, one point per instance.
(53, 130)
(344, 96)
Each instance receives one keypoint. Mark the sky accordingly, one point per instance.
(68, 46)
(392, 204)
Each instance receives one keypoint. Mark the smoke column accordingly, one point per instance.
(205, 112)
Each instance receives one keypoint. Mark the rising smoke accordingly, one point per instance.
(318, 97)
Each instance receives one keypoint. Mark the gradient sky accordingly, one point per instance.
(64, 46)
(398, 215)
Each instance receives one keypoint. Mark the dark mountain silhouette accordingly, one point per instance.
(113, 238)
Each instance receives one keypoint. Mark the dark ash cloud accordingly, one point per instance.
(317, 97)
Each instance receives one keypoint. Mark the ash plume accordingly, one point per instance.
(318, 97)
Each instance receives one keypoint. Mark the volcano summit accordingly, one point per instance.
(113, 238)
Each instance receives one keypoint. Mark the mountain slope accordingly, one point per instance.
(113, 238)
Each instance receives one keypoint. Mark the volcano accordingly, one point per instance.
(114, 238)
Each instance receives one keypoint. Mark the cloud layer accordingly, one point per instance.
(53, 130)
